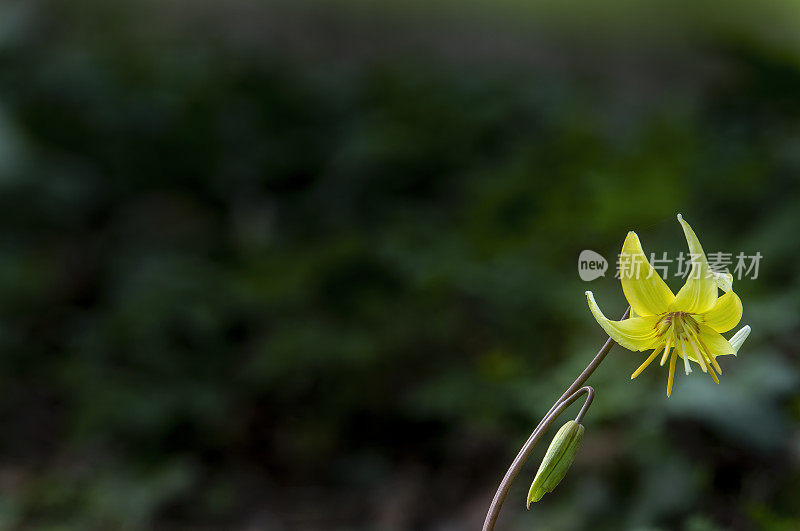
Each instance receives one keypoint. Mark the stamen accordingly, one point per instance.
(644, 365)
(684, 331)
(686, 366)
(701, 359)
(671, 371)
(667, 347)
(714, 377)
(704, 354)
(708, 353)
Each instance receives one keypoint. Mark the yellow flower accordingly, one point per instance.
(687, 325)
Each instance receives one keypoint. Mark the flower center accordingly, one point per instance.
(678, 325)
(680, 331)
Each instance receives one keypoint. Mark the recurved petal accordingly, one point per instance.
(726, 313)
(714, 342)
(724, 281)
(699, 293)
(645, 290)
(739, 337)
(637, 333)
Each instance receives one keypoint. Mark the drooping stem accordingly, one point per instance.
(589, 390)
(569, 396)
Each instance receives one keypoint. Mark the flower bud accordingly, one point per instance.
(557, 460)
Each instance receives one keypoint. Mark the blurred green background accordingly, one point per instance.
(313, 265)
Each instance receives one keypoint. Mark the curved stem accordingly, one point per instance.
(589, 398)
(562, 403)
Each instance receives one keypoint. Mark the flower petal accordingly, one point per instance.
(645, 290)
(699, 293)
(739, 337)
(726, 313)
(638, 333)
(724, 281)
(714, 342)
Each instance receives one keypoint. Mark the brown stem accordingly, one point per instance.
(566, 399)
(589, 397)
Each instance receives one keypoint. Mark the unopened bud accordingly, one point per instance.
(557, 460)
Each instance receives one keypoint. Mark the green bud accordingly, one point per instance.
(557, 460)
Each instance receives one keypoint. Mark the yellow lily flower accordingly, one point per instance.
(688, 325)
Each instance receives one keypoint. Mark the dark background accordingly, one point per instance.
(313, 265)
